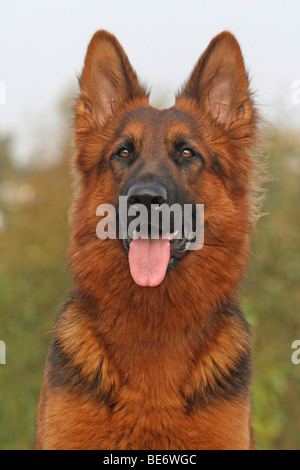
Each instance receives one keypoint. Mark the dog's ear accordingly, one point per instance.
(219, 82)
(107, 80)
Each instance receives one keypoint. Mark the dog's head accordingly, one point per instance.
(196, 152)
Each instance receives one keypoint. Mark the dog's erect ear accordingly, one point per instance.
(107, 80)
(219, 81)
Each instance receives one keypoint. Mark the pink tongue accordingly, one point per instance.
(148, 261)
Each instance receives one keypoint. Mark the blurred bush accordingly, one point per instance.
(271, 299)
(34, 234)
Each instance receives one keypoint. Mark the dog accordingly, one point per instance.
(151, 350)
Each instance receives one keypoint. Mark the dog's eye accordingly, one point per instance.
(123, 153)
(187, 153)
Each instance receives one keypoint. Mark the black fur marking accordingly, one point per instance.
(223, 387)
(64, 373)
(228, 385)
(217, 167)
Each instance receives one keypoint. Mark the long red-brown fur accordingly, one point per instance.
(168, 367)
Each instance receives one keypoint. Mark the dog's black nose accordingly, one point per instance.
(147, 194)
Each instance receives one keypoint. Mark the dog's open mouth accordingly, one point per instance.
(150, 259)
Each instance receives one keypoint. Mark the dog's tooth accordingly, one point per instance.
(173, 235)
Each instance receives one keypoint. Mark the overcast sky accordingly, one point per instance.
(43, 44)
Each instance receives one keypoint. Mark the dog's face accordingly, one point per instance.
(154, 163)
(193, 153)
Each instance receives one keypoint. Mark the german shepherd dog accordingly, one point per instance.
(151, 350)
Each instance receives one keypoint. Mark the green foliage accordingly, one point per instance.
(271, 300)
(34, 282)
